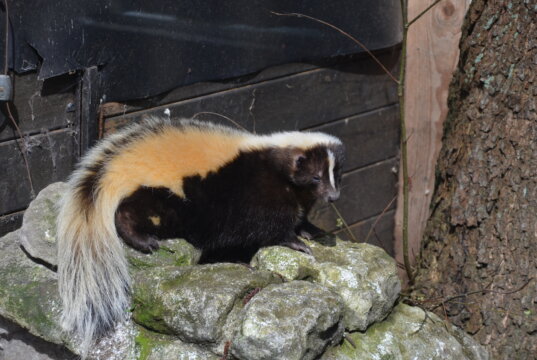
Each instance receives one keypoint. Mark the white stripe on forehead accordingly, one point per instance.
(331, 165)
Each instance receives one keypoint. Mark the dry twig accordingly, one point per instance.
(379, 217)
(222, 116)
(451, 298)
(358, 42)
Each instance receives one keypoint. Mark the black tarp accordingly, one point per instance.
(145, 47)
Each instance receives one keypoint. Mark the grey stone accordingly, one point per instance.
(118, 344)
(293, 321)
(289, 263)
(193, 302)
(38, 231)
(407, 334)
(16, 343)
(365, 276)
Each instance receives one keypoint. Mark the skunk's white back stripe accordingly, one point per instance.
(331, 165)
(303, 140)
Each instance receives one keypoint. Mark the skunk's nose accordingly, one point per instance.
(333, 196)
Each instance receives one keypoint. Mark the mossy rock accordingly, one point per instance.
(408, 334)
(28, 292)
(173, 252)
(153, 346)
(193, 302)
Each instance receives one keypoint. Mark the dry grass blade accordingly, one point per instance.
(344, 222)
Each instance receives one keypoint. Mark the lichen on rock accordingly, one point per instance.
(363, 275)
(292, 321)
(409, 333)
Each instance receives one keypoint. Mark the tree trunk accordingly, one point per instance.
(482, 234)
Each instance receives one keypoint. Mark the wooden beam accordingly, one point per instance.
(89, 105)
(432, 56)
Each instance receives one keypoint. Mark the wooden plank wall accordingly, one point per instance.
(353, 100)
(47, 115)
(433, 52)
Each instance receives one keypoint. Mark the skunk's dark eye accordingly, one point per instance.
(300, 160)
(316, 179)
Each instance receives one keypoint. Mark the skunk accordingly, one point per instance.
(226, 191)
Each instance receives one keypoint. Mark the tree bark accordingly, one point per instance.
(482, 234)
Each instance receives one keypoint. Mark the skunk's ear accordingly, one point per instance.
(298, 158)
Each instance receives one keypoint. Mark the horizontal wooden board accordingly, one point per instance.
(204, 88)
(369, 137)
(293, 102)
(381, 235)
(38, 106)
(10, 222)
(387, 56)
(51, 158)
(365, 193)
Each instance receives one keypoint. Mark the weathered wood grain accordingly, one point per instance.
(368, 138)
(298, 101)
(50, 158)
(388, 57)
(365, 193)
(204, 88)
(381, 235)
(35, 110)
(433, 52)
(90, 93)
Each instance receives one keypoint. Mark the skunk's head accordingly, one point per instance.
(318, 169)
(312, 161)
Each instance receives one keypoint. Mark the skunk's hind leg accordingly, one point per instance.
(129, 227)
(133, 228)
(148, 215)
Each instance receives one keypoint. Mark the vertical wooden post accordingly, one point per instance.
(89, 106)
(432, 55)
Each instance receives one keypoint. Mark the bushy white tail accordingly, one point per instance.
(94, 281)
